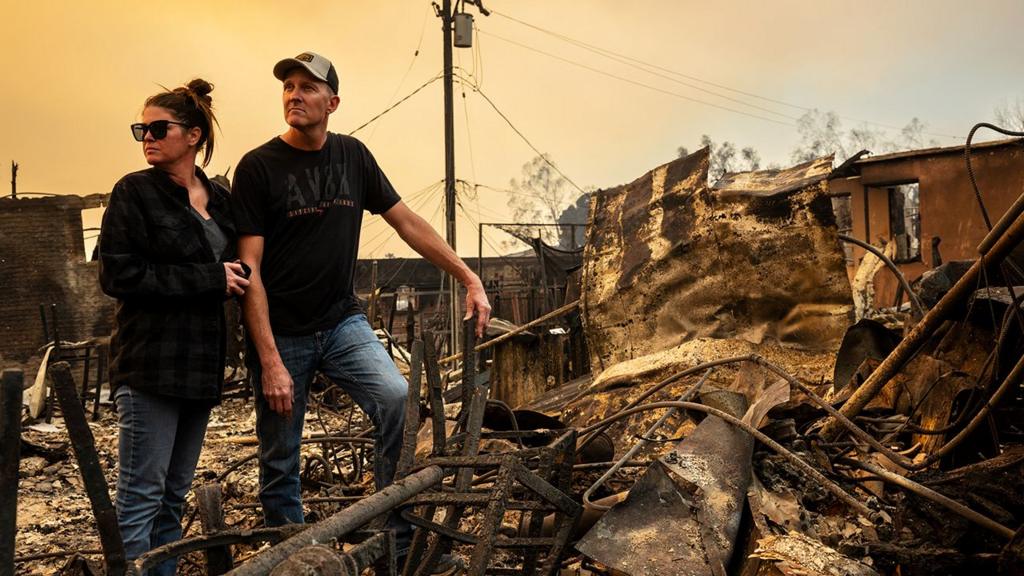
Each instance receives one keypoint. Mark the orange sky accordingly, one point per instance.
(76, 74)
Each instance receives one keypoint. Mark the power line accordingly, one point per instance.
(636, 83)
(415, 54)
(606, 52)
(477, 90)
(639, 64)
(421, 196)
(645, 67)
(396, 104)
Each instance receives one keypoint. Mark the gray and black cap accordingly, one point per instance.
(320, 67)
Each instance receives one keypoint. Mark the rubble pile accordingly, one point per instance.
(749, 413)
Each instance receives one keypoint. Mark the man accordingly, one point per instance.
(298, 202)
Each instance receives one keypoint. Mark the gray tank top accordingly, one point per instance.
(214, 235)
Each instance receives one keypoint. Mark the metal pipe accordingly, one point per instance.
(928, 493)
(829, 485)
(892, 268)
(343, 522)
(517, 330)
(923, 329)
(228, 537)
(321, 560)
(10, 457)
(1012, 380)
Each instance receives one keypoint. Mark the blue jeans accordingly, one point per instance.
(352, 357)
(158, 448)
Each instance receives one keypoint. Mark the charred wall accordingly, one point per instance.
(42, 262)
(948, 207)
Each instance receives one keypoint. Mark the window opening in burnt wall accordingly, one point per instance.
(905, 221)
(844, 222)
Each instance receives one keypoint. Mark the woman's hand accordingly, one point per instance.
(235, 276)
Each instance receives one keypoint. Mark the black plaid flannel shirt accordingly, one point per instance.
(169, 331)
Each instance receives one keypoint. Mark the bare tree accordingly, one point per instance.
(1010, 115)
(723, 158)
(574, 218)
(540, 195)
(822, 133)
(751, 157)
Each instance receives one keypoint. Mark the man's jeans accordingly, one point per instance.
(158, 448)
(352, 357)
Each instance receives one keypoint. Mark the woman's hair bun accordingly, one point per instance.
(200, 87)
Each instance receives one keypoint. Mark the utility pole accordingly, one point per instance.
(464, 22)
(449, 172)
(14, 179)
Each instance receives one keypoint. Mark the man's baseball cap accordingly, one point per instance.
(320, 67)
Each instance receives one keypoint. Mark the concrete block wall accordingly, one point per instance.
(42, 261)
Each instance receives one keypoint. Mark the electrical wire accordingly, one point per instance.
(397, 104)
(414, 197)
(641, 84)
(606, 52)
(392, 231)
(643, 66)
(477, 90)
(469, 140)
(970, 169)
(415, 203)
(415, 54)
(640, 64)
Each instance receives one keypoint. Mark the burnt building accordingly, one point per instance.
(43, 265)
(518, 287)
(923, 201)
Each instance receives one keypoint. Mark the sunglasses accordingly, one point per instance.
(157, 128)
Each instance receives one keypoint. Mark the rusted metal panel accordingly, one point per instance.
(670, 261)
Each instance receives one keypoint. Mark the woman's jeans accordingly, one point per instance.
(158, 448)
(352, 357)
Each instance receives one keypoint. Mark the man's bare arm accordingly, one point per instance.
(276, 382)
(421, 237)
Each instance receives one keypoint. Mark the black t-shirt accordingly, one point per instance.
(308, 206)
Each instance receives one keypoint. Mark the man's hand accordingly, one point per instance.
(476, 302)
(278, 389)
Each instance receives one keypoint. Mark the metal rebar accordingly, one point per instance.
(227, 537)
(343, 522)
(517, 330)
(829, 485)
(892, 268)
(657, 387)
(928, 493)
(639, 445)
(963, 288)
(476, 394)
(1012, 379)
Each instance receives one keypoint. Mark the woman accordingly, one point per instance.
(166, 250)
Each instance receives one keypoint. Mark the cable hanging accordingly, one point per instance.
(396, 104)
(640, 65)
(520, 134)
